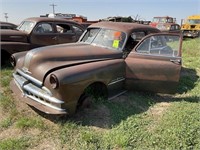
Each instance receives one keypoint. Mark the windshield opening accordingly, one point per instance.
(194, 21)
(105, 37)
(26, 26)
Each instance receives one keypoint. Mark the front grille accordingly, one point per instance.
(33, 89)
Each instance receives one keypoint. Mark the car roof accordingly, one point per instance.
(46, 19)
(124, 26)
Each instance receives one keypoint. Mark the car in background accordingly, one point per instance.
(7, 25)
(38, 32)
(166, 24)
(191, 27)
(109, 59)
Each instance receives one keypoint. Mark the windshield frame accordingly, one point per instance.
(24, 24)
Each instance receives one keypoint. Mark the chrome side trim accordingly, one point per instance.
(116, 81)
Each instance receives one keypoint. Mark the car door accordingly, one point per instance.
(43, 34)
(155, 64)
(68, 33)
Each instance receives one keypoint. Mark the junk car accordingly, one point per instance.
(109, 59)
(36, 32)
(166, 24)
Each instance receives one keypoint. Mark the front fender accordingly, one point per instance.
(19, 59)
(75, 79)
(14, 47)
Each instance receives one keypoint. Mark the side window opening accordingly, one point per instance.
(64, 28)
(44, 28)
(77, 29)
(132, 41)
(160, 45)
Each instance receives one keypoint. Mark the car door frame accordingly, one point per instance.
(153, 72)
(47, 38)
(66, 37)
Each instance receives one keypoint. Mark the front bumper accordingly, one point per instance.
(35, 96)
(189, 33)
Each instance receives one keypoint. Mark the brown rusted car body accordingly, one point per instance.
(36, 32)
(110, 58)
(7, 25)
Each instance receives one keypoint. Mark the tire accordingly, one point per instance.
(85, 101)
(4, 58)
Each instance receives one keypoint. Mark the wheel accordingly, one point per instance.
(5, 58)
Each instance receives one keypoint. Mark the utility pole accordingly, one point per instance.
(6, 16)
(53, 5)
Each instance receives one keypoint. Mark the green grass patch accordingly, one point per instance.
(178, 129)
(14, 144)
(6, 102)
(6, 122)
(25, 123)
(5, 77)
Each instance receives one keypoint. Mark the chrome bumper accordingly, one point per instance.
(41, 96)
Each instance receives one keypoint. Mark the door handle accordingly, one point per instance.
(176, 61)
(54, 38)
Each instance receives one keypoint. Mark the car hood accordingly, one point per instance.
(13, 36)
(40, 62)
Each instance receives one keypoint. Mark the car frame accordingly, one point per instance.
(109, 59)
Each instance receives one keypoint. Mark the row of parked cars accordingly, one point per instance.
(104, 60)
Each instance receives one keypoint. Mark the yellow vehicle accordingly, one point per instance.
(191, 26)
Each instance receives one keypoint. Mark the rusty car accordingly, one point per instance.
(166, 24)
(36, 32)
(109, 59)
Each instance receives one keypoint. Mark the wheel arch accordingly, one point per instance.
(95, 90)
(5, 55)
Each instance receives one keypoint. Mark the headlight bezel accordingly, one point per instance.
(54, 82)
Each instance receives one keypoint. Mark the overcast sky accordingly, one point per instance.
(18, 10)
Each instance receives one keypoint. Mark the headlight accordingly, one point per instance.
(54, 81)
(13, 61)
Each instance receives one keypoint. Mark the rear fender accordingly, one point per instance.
(13, 47)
